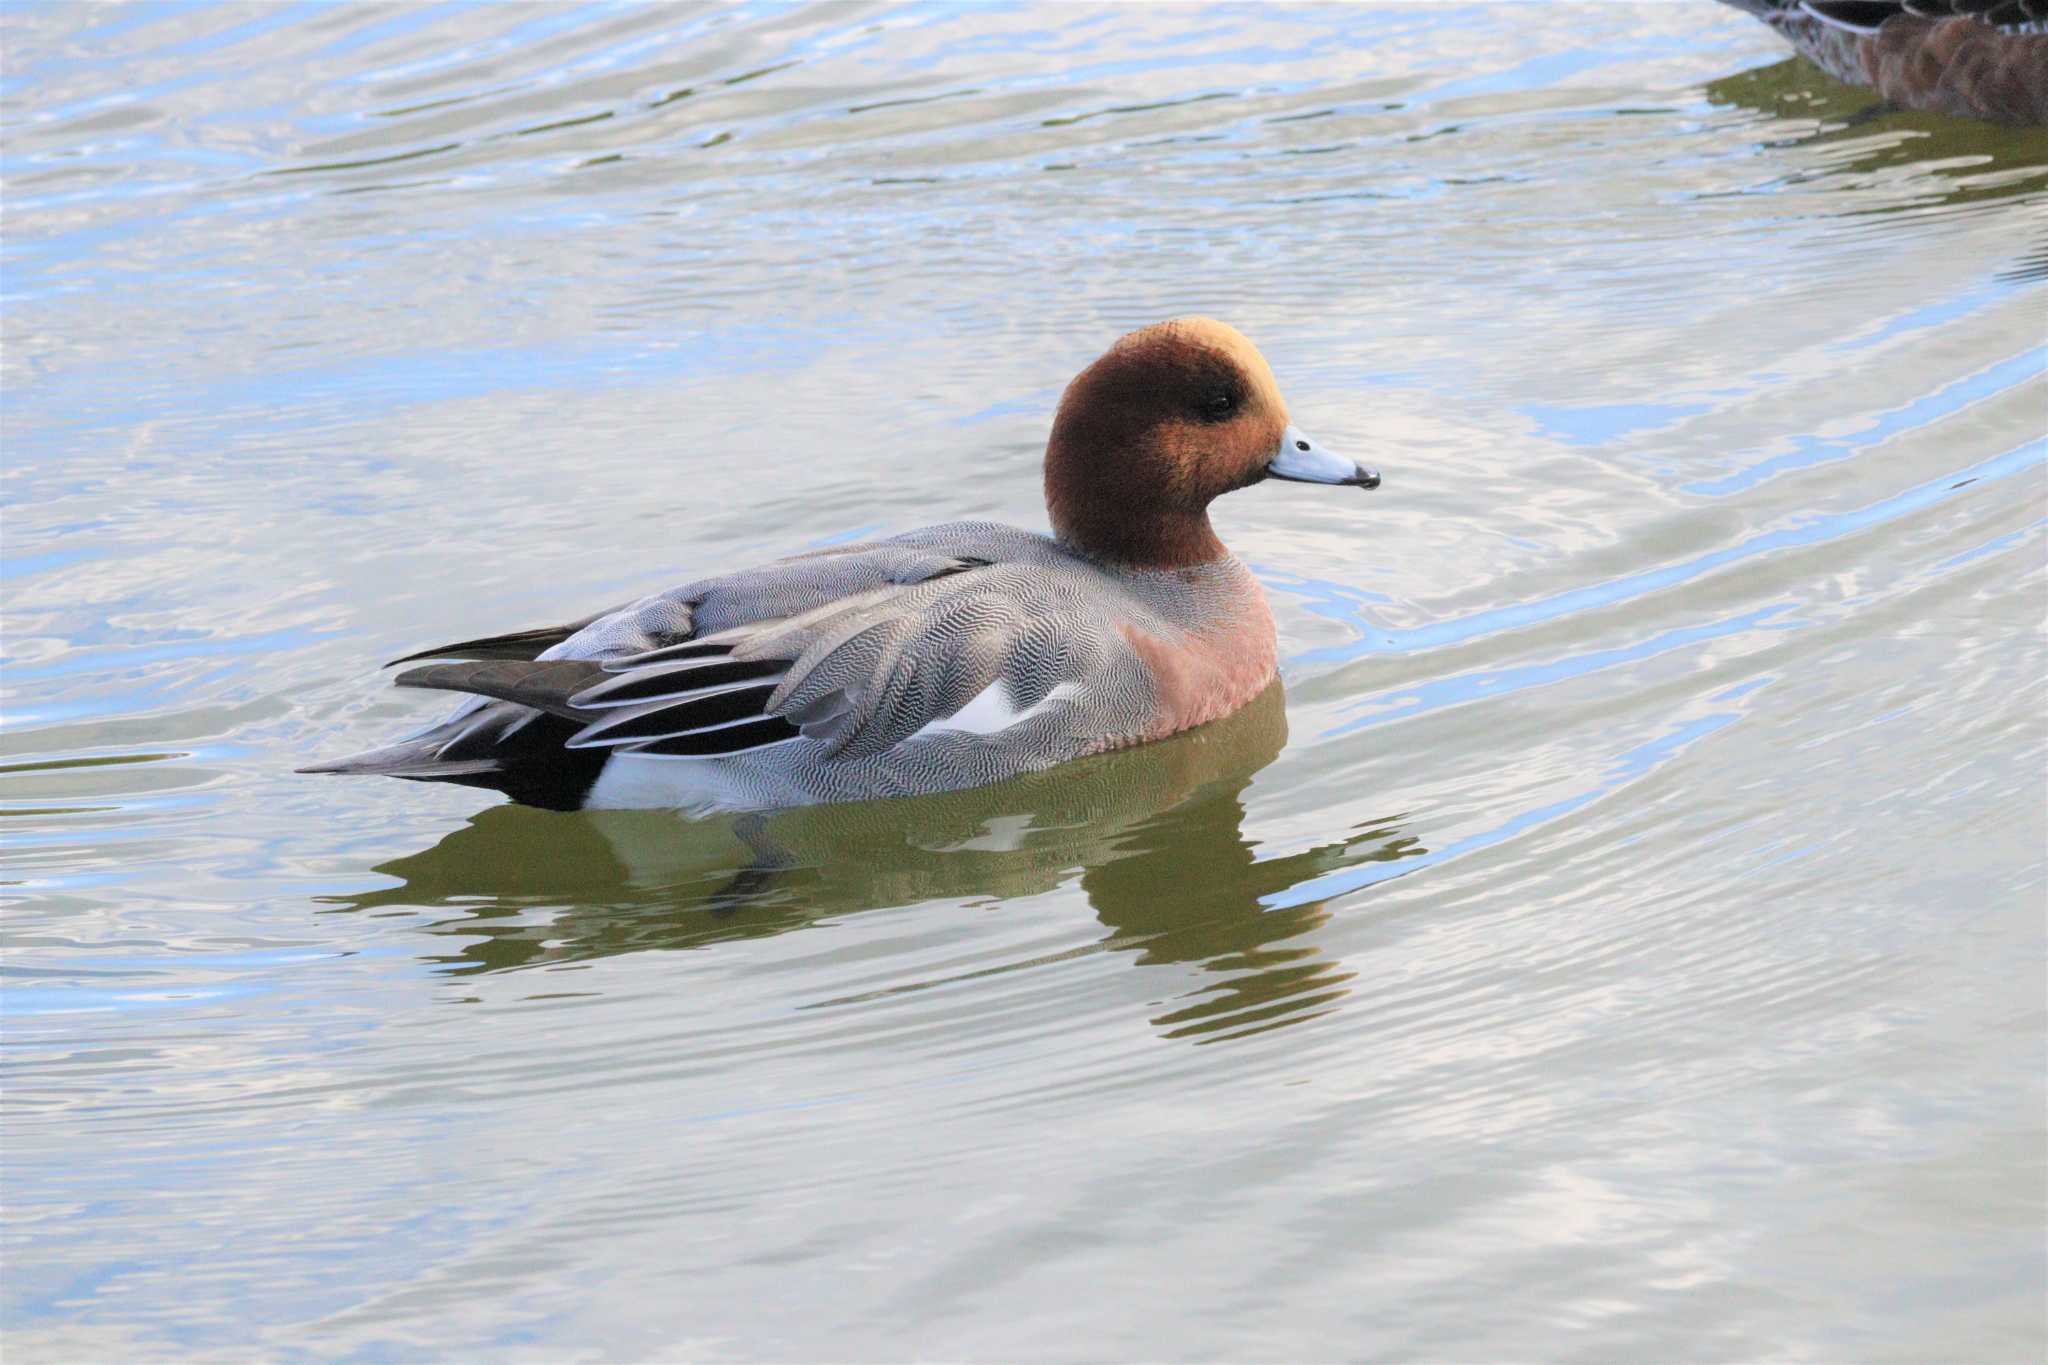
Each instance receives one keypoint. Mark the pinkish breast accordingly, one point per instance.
(1205, 674)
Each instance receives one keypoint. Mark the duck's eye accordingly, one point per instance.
(1218, 406)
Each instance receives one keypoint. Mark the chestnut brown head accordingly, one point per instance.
(1169, 418)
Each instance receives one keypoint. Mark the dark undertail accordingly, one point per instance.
(533, 767)
(514, 751)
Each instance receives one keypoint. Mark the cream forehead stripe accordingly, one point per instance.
(1221, 337)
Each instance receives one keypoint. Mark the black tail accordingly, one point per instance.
(500, 746)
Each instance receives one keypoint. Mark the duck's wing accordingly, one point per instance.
(978, 652)
(706, 660)
(775, 591)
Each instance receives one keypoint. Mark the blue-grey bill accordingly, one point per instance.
(1303, 461)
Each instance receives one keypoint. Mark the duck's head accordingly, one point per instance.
(1168, 419)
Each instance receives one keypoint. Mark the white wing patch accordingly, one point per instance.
(993, 709)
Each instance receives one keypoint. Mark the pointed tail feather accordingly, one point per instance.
(390, 760)
(505, 747)
(517, 644)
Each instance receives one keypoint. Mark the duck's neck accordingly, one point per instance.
(1139, 538)
(1109, 505)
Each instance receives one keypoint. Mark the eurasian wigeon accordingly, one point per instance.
(1980, 58)
(949, 657)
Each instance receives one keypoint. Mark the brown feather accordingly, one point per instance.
(1960, 62)
(1959, 66)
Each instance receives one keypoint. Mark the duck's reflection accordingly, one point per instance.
(1154, 834)
(1964, 161)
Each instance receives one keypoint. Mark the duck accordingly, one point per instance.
(945, 658)
(1985, 59)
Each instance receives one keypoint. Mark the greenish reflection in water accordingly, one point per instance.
(1153, 836)
(1957, 161)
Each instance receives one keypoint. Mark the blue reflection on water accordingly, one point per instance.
(373, 384)
(1813, 450)
(1601, 423)
(1643, 758)
(1996, 545)
(1626, 768)
(1492, 682)
(1812, 530)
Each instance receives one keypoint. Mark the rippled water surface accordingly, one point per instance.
(1624, 940)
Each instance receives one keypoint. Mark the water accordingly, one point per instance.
(1625, 941)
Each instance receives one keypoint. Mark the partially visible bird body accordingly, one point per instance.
(1984, 59)
(881, 669)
